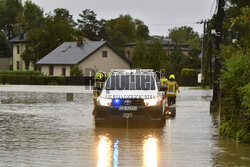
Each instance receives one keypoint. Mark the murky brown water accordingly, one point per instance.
(43, 129)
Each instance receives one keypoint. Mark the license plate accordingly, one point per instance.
(128, 108)
(127, 115)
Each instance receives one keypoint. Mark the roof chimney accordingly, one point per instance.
(79, 43)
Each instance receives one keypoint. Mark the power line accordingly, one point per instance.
(212, 8)
(172, 24)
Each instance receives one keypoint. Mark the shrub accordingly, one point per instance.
(52, 83)
(235, 90)
(31, 79)
(6, 72)
(189, 77)
(76, 71)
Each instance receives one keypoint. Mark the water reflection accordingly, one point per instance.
(116, 154)
(104, 151)
(150, 152)
(43, 129)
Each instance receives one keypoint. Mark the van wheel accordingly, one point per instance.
(173, 113)
(164, 119)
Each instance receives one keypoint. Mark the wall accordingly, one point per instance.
(17, 57)
(104, 64)
(57, 70)
(4, 63)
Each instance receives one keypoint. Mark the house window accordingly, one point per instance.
(27, 65)
(104, 54)
(17, 65)
(63, 71)
(51, 70)
(18, 49)
(128, 54)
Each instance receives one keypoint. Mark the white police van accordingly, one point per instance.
(131, 98)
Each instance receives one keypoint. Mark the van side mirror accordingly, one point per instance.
(163, 88)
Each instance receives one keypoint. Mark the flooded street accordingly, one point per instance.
(43, 129)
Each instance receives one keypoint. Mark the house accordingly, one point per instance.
(167, 43)
(5, 62)
(19, 44)
(90, 56)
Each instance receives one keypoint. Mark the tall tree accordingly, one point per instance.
(8, 13)
(4, 46)
(142, 31)
(92, 28)
(63, 15)
(55, 30)
(125, 29)
(151, 56)
(187, 35)
(30, 18)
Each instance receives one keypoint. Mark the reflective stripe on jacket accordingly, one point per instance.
(172, 88)
(164, 81)
(96, 92)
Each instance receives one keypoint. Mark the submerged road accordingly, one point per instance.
(43, 129)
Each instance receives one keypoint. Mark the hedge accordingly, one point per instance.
(31, 79)
(189, 77)
(9, 72)
(235, 101)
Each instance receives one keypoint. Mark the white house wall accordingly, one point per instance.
(104, 64)
(57, 70)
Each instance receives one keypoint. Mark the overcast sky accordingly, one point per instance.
(158, 15)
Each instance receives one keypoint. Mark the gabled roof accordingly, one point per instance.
(69, 53)
(19, 39)
(164, 42)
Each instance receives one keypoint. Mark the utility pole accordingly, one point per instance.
(205, 25)
(217, 63)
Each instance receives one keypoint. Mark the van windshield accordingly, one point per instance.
(131, 82)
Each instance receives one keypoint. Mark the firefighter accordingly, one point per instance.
(172, 90)
(164, 80)
(98, 83)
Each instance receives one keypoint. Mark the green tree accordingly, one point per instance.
(240, 3)
(30, 18)
(92, 28)
(187, 35)
(4, 46)
(142, 32)
(76, 71)
(8, 13)
(152, 56)
(125, 29)
(63, 15)
(55, 30)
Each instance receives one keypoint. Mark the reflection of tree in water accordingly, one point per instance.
(230, 153)
(31, 98)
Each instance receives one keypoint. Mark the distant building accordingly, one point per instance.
(5, 62)
(89, 56)
(19, 44)
(167, 43)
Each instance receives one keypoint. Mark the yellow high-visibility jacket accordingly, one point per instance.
(172, 89)
(96, 92)
(164, 81)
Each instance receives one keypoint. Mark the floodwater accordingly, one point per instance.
(43, 129)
